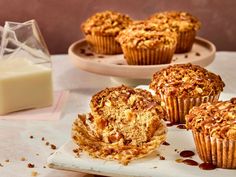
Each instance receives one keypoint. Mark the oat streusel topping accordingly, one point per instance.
(143, 34)
(177, 20)
(214, 119)
(186, 80)
(107, 23)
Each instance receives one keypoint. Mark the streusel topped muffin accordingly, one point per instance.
(101, 29)
(214, 119)
(107, 23)
(214, 131)
(183, 86)
(185, 24)
(186, 80)
(146, 43)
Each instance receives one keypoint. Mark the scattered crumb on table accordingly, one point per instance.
(30, 165)
(162, 158)
(53, 146)
(34, 173)
(23, 159)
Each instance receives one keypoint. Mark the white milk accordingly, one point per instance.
(24, 85)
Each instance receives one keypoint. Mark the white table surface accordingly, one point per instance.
(14, 135)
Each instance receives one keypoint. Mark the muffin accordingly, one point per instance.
(124, 124)
(146, 43)
(185, 25)
(101, 29)
(183, 86)
(214, 130)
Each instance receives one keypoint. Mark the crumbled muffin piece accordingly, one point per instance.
(107, 23)
(142, 34)
(214, 119)
(177, 20)
(186, 80)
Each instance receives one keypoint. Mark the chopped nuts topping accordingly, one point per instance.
(146, 35)
(214, 119)
(179, 21)
(107, 23)
(186, 80)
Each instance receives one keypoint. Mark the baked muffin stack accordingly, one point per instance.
(101, 29)
(183, 23)
(149, 42)
(124, 124)
(214, 130)
(183, 86)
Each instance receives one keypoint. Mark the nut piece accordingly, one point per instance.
(30, 165)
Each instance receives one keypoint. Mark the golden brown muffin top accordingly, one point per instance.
(214, 119)
(178, 20)
(186, 80)
(147, 35)
(107, 23)
(136, 99)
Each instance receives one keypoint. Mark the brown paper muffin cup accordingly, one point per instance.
(176, 108)
(220, 152)
(103, 44)
(136, 56)
(185, 41)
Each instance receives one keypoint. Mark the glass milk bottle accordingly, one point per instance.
(25, 68)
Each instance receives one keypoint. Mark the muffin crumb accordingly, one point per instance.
(47, 143)
(162, 158)
(43, 139)
(31, 137)
(30, 165)
(34, 173)
(53, 146)
(23, 159)
(7, 160)
(197, 54)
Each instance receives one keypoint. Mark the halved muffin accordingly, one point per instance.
(124, 124)
(101, 29)
(214, 130)
(183, 86)
(183, 23)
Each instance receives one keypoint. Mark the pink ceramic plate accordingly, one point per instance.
(202, 53)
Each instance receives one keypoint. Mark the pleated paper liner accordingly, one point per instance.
(220, 152)
(185, 41)
(176, 108)
(135, 56)
(104, 44)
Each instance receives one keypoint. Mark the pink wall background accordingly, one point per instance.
(60, 20)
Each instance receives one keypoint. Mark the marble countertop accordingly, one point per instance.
(15, 141)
